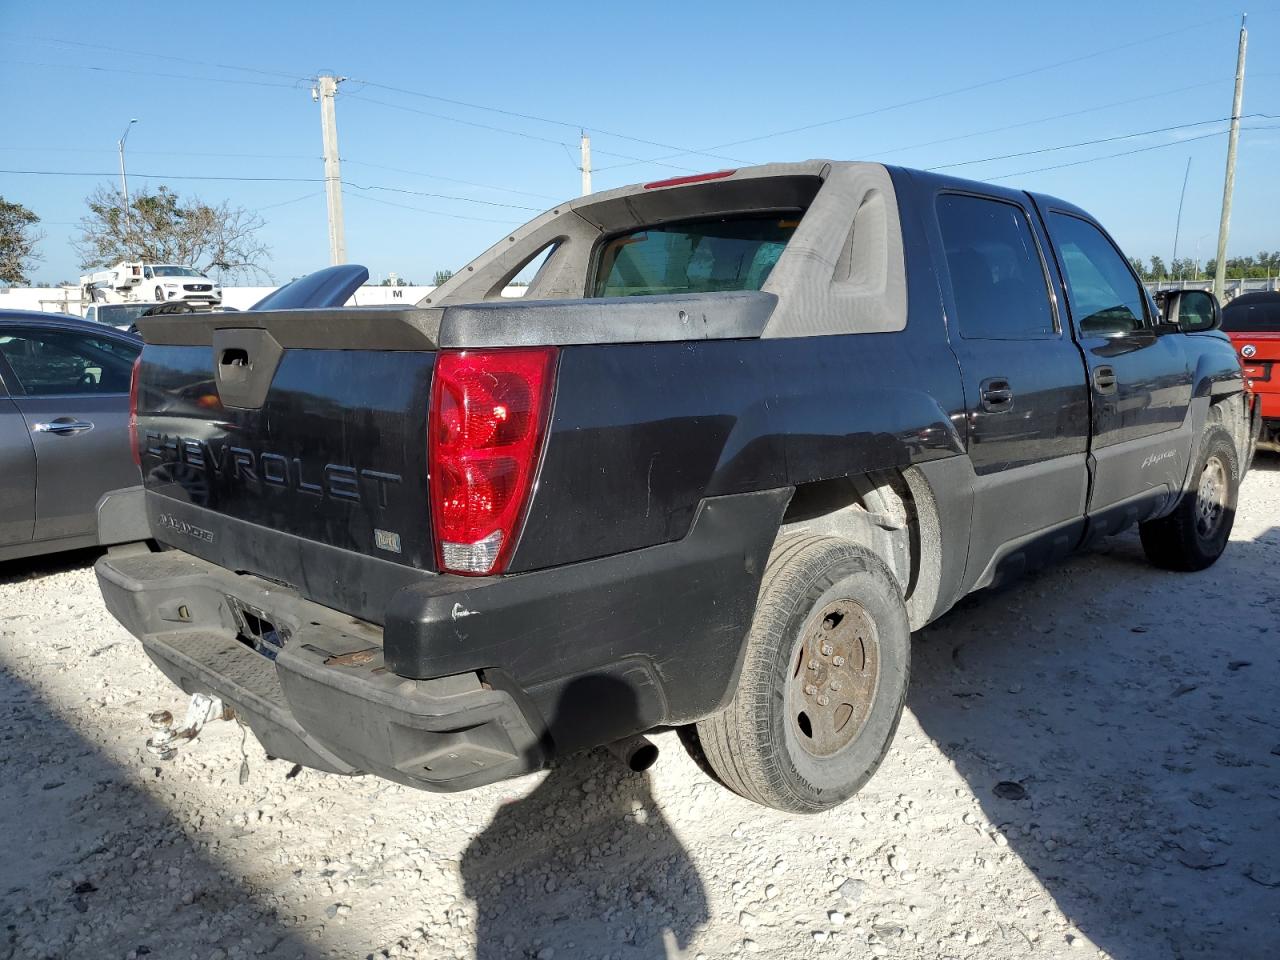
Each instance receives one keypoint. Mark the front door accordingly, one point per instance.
(1027, 406)
(1140, 377)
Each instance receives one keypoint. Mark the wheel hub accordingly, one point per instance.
(834, 678)
(1211, 497)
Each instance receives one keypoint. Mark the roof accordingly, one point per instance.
(62, 321)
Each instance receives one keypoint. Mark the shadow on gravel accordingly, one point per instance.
(92, 866)
(585, 865)
(32, 568)
(1266, 462)
(1120, 726)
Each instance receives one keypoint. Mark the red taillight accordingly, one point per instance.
(488, 416)
(133, 413)
(692, 178)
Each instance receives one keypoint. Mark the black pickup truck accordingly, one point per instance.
(742, 434)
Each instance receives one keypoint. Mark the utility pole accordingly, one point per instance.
(586, 163)
(1177, 228)
(1224, 226)
(326, 87)
(124, 181)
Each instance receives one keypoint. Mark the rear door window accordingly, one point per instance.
(696, 256)
(997, 274)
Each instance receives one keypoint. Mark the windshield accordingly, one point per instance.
(696, 256)
(1250, 314)
(165, 270)
(116, 313)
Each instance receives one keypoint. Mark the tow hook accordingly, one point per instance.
(201, 710)
(639, 753)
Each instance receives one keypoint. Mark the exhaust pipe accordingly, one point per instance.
(639, 753)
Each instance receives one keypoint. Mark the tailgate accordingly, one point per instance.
(1260, 358)
(269, 441)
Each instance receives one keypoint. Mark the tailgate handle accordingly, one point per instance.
(234, 364)
(245, 361)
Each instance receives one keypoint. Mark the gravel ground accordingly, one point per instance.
(1131, 717)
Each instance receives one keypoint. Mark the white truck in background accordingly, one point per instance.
(138, 282)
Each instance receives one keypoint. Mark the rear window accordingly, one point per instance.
(1247, 315)
(697, 256)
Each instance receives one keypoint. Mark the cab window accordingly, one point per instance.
(1105, 297)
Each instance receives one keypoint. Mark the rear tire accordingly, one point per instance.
(1195, 534)
(159, 295)
(823, 681)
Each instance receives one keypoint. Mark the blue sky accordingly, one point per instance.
(691, 75)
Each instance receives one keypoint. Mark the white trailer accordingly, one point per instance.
(120, 284)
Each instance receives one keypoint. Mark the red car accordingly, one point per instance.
(1253, 323)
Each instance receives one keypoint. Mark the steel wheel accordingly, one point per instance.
(1196, 532)
(834, 680)
(1211, 497)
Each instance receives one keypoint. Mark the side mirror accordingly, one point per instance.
(1190, 311)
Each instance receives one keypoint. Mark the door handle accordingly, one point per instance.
(63, 427)
(1104, 378)
(996, 394)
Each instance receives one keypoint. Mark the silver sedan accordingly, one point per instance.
(64, 428)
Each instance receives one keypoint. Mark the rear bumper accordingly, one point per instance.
(472, 680)
(327, 699)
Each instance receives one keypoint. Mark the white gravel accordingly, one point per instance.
(1139, 711)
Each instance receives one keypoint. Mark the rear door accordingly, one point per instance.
(1140, 378)
(17, 470)
(73, 396)
(1027, 405)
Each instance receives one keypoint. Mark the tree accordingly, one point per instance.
(441, 276)
(162, 227)
(1158, 271)
(18, 239)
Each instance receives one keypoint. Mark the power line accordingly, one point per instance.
(575, 125)
(436, 213)
(160, 56)
(1109, 156)
(1156, 146)
(1082, 143)
(436, 176)
(164, 176)
(283, 156)
(956, 91)
(507, 130)
(167, 153)
(239, 179)
(284, 203)
(443, 196)
(1037, 120)
(156, 73)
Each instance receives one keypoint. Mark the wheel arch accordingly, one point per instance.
(892, 513)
